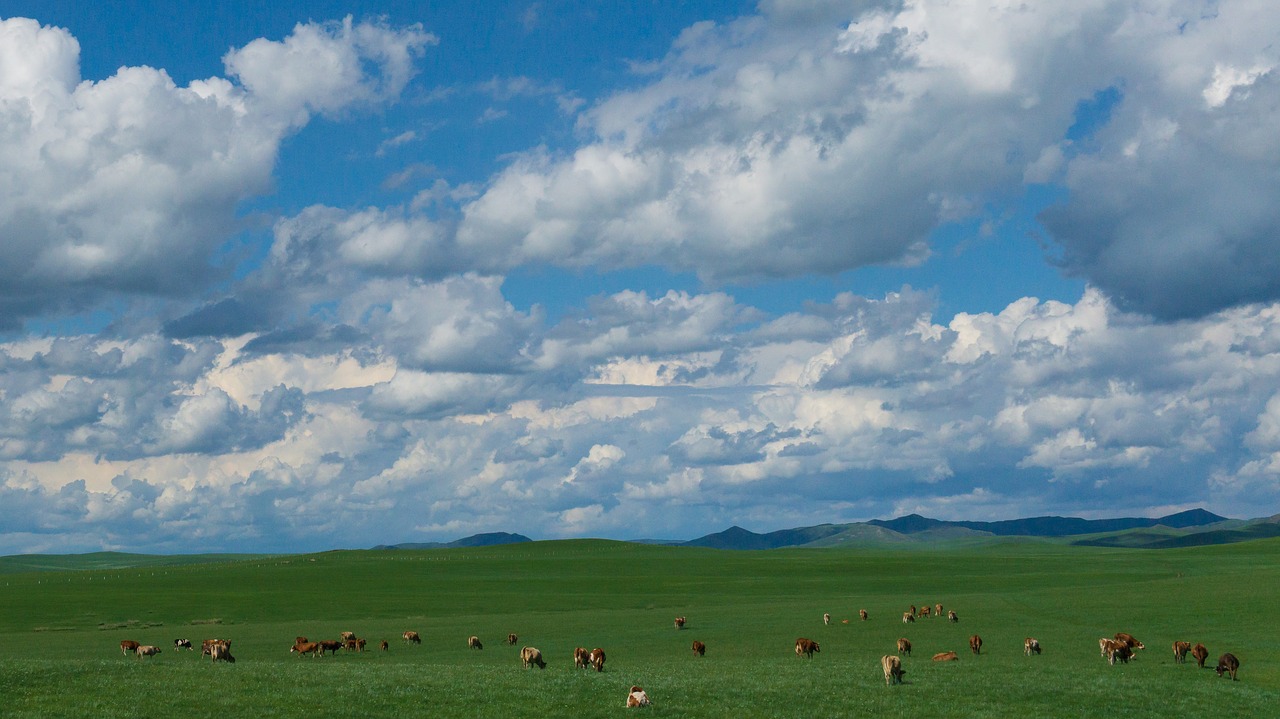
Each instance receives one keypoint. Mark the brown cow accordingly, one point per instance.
(699, 649)
(806, 647)
(149, 650)
(893, 670)
(1227, 664)
(330, 645)
(680, 622)
(975, 644)
(904, 646)
(312, 648)
(946, 657)
(347, 636)
(937, 609)
(1129, 641)
(1117, 651)
(581, 657)
(913, 609)
(951, 616)
(300, 640)
(908, 617)
(862, 614)
(222, 652)
(351, 645)
(1200, 653)
(512, 639)
(530, 656)
(637, 698)
(206, 646)
(1180, 650)
(383, 646)
(1030, 646)
(925, 611)
(597, 659)
(473, 642)
(411, 637)
(128, 645)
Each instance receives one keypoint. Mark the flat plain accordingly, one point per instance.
(61, 621)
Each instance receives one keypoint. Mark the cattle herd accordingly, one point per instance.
(1121, 648)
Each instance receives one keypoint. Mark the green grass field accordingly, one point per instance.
(61, 627)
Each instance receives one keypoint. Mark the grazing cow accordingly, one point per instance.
(1129, 641)
(1117, 651)
(351, 645)
(360, 645)
(1030, 646)
(530, 656)
(946, 657)
(908, 617)
(699, 649)
(826, 618)
(411, 637)
(680, 622)
(348, 635)
(148, 650)
(222, 652)
(473, 642)
(1200, 653)
(597, 659)
(904, 646)
(1227, 664)
(312, 648)
(862, 614)
(893, 670)
(206, 646)
(330, 645)
(637, 698)
(383, 646)
(1103, 643)
(806, 647)
(951, 616)
(128, 645)
(1180, 650)
(925, 611)
(182, 644)
(581, 657)
(975, 644)
(300, 640)
(512, 639)
(937, 609)
(913, 609)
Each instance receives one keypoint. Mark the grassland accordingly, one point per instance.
(60, 629)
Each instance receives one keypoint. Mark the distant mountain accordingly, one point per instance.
(487, 539)
(916, 529)
(1053, 526)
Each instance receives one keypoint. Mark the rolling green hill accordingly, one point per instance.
(61, 630)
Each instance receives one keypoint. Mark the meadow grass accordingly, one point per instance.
(59, 655)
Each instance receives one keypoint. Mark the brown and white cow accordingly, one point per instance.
(512, 639)
(1200, 653)
(346, 636)
(1129, 641)
(312, 648)
(951, 616)
(908, 617)
(862, 614)
(597, 659)
(904, 646)
(806, 647)
(925, 611)
(221, 652)
(581, 657)
(383, 645)
(946, 657)
(1030, 646)
(1227, 664)
(473, 642)
(1117, 651)
(149, 650)
(680, 622)
(1180, 650)
(893, 670)
(206, 646)
(351, 645)
(128, 645)
(636, 697)
(699, 649)
(975, 644)
(411, 637)
(826, 618)
(937, 609)
(530, 656)
(912, 609)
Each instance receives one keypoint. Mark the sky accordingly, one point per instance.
(297, 276)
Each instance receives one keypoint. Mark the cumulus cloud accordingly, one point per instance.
(128, 184)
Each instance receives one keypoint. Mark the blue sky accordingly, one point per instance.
(325, 275)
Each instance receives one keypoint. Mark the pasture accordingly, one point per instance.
(60, 630)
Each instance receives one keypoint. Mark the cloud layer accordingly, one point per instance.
(358, 374)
